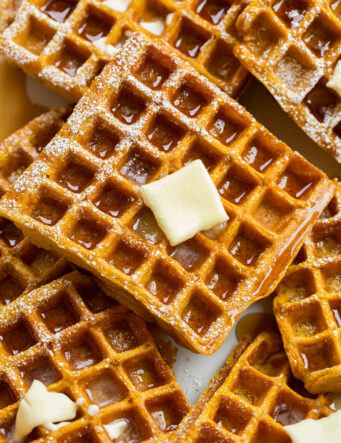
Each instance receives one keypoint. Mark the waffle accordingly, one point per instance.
(8, 10)
(78, 341)
(81, 198)
(250, 399)
(308, 305)
(19, 150)
(66, 43)
(292, 47)
(24, 266)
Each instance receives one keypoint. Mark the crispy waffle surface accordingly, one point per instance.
(66, 43)
(250, 400)
(76, 340)
(24, 266)
(292, 47)
(8, 10)
(148, 115)
(308, 305)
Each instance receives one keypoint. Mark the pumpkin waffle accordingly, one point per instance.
(308, 305)
(24, 266)
(78, 341)
(66, 43)
(292, 47)
(8, 10)
(19, 150)
(148, 114)
(251, 399)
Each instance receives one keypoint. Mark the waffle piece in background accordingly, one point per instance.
(81, 197)
(78, 341)
(66, 43)
(19, 150)
(24, 266)
(8, 10)
(308, 305)
(292, 47)
(251, 398)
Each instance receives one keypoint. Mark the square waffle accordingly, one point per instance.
(308, 305)
(24, 266)
(66, 43)
(292, 47)
(251, 399)
(80, 197)
(76, 340)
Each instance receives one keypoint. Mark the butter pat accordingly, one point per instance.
(327, 429)
(154, 26)
(102, 46)
(335, 80)
(117, 5)
(41, 407)
(116, 428)
(93, 410)
(184, 202)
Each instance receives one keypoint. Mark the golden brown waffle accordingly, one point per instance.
(8, 10)
(24, 266)
(81, 196)
(292, 47)
(78, 341)
(19, 150)
(57, 40)
(250, 399)
(308, 305)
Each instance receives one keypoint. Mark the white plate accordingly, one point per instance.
(194, 371)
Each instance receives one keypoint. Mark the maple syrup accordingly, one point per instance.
(213, 11)
(253, 324)
(94, 28)
(16, 109)
(58, 10)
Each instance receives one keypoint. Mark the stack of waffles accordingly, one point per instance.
(80, 197)
(71, 206)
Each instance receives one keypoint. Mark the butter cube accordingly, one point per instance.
(335, 80)
(42, 407)
(184, 202)
(154, 26)
(326, 429)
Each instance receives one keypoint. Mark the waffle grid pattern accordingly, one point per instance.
(19, 150)
(252, 403)
(24, 266)
(78, 341)
(8, 10)
(66, 43)
(307, 305)
(83, 196)
(292, 47)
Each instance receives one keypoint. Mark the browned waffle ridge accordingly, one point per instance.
(8, 10)
(250, 399)
(308, 305)
(292, 47)
(24, 266)
(55, 40)
(81, 196)
(78, 341)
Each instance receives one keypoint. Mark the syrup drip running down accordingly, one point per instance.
(253, 324)
(21, 109)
